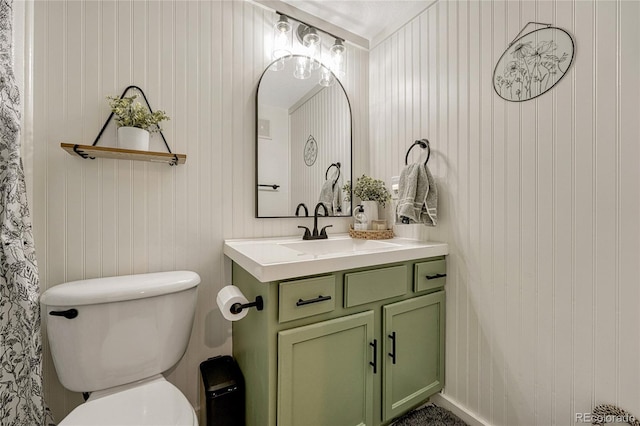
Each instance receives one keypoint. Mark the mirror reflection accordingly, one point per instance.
(303, 152)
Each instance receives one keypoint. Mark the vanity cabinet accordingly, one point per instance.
(355, 347)
(324, 373)
(413, 352)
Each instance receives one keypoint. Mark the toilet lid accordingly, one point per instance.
(158, 403)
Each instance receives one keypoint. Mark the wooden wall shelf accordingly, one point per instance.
(91, 152)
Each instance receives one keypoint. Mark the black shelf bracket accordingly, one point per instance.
(81, 153)
(106, 123)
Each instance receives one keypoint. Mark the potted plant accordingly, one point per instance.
(135, 121)
(372, 192)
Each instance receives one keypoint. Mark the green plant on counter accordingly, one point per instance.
(368, 189)
(130, 113)
(346, 189)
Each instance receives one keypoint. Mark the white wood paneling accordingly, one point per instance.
(539, 202)
(325, 116)
(200, 61)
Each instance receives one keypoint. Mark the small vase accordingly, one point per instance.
(371, 210)
(133, 138)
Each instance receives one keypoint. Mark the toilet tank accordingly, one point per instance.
(106, 332)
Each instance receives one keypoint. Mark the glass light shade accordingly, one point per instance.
(302, 69)
(338, 59)
(282, 39)
(310, 37)
(326, 78)
(278, 65)
(283, 24)
(314, 51)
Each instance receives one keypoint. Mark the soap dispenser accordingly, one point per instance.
(360, 219)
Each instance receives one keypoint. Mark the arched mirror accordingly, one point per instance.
(303, 140)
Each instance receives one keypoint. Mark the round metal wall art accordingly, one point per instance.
(533, 64)
(310, 151)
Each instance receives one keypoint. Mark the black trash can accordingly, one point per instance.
(223, 392)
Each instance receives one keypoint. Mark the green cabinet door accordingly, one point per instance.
(413, 353)
(324, 373)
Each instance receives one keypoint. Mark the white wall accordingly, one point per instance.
(539, 202)
(200, 61)
(274, 163)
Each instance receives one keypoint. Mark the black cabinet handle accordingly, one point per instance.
(68, 314)
(320, 298)
(374, 364)
(392, 354)
(433, 277)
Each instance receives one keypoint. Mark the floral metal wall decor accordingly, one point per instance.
(533, 63)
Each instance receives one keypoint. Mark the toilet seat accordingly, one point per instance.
(154, 402)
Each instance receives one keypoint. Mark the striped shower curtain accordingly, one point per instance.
(21, 398)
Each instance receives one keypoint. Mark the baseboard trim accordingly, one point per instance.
(469, 417)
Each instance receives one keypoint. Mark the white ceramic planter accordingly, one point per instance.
(371, 210)
(133, 138)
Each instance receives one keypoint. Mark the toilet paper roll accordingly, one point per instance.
(227, 297)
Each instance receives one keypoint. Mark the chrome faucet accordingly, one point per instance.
(322, 235)
(306, 211)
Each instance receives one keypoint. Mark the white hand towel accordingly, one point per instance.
(418, 195)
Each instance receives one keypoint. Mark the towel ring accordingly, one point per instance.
(424, 144)
(326, 174)
(336, 165)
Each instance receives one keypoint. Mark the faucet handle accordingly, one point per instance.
(323, 232)
(307, 232)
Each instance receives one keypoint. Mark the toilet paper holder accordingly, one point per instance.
(236, 308)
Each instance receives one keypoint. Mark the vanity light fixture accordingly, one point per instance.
(311, 60)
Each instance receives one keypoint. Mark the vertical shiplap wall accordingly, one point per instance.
(540, 202)
(200, 61)
(325, 116)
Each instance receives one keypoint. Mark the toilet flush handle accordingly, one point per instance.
(68, 314)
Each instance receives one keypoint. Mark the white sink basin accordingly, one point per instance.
(323, 247)
(272, 259)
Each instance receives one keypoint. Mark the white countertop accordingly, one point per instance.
(272, 259)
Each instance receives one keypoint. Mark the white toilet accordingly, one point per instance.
(114, 337)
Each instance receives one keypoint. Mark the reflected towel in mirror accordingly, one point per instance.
(331, 193)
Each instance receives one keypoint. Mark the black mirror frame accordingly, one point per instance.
(256, 183)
